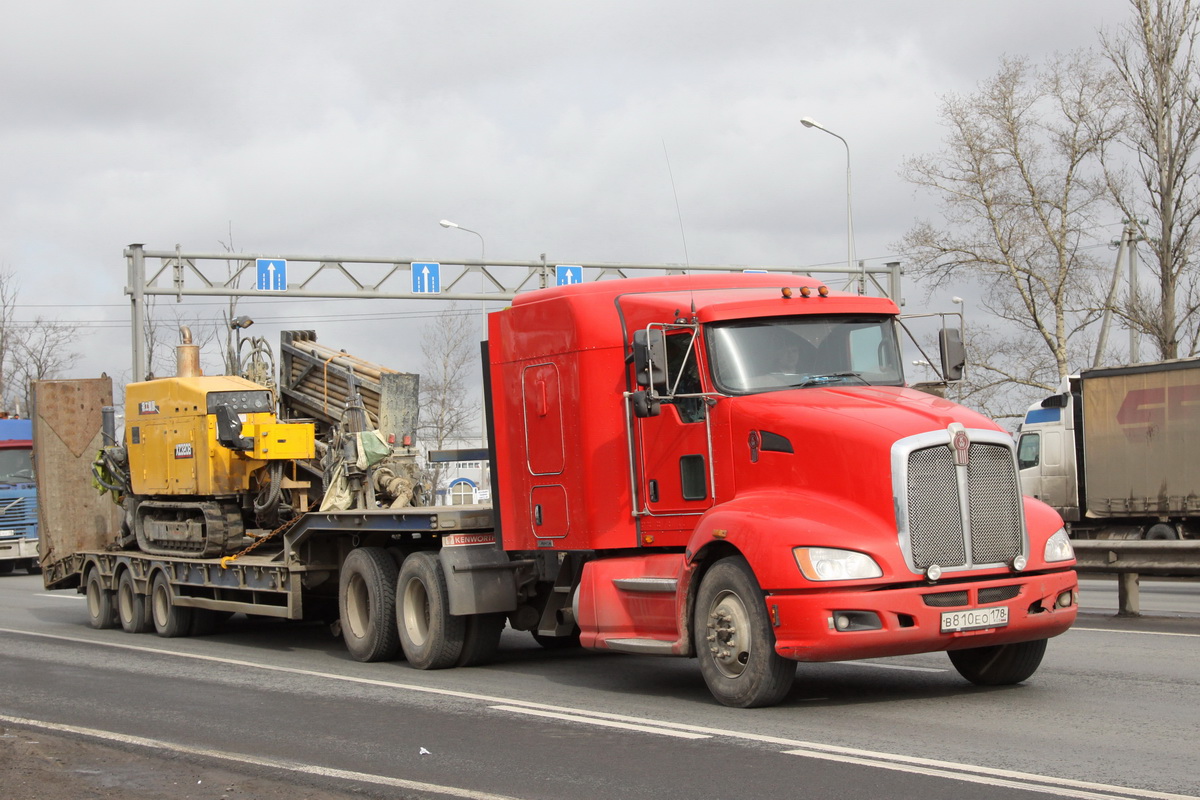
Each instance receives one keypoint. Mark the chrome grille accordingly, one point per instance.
(17, 511)
(934, 509)
(933, 530)
(995, 505)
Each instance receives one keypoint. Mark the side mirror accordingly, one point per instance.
(650, 359)
(643, 406)
(229, 429)
(954, 353)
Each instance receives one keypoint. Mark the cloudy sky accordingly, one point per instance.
(351, 129)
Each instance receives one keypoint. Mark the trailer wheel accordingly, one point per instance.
(431, 637)
(170, 620)
(102, 611)
(481, 639)
(205, 621)
(734, 641)
(367, 604)
(132, 609)
(999, 665)
(7, 567)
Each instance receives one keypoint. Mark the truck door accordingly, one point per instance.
(673, 454)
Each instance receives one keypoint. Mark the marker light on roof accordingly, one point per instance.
(823, 291)
(787, 292)
(806, 291)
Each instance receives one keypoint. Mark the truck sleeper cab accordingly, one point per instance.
(735, 470)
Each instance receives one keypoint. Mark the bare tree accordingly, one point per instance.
(1152, 168)
(42, 351)
(8, 305)
(449, 347)
(1021, 198)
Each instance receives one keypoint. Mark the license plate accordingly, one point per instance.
(973, 619)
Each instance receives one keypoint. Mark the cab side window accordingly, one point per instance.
(683, 376)
(1029, 450)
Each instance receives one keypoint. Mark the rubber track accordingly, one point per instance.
(222, 535)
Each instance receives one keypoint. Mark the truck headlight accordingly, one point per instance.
(829, 564)
(1058, 547)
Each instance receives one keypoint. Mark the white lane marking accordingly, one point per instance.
(67, 596)
(255, 761)
(790, 744)
(1003, 778)
(603, 722)
(1142, 633)
(878, 665)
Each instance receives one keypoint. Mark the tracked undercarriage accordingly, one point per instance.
(196, 528)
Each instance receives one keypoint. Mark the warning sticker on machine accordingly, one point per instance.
(147, 407)
(455, 539)
(183, 450)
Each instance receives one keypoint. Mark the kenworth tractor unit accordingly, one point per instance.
(726, 467)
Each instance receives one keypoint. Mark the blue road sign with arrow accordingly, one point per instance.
(272, 275)
(567, 274)
(426, 277)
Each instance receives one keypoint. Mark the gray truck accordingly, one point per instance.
(1117, 452)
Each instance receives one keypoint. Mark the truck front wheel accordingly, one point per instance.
(132, 610)
(734, 641)
(170, 620)
(102, 611)
(999, 665)
(431, 637)
(367, 602)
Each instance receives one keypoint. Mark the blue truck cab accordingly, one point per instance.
(18, 497)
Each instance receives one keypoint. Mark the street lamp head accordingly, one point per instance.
(956, 300)
(448, 224)
(809, 122)
(240, 322)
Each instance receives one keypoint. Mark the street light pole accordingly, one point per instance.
(482, 244)
(809, 122)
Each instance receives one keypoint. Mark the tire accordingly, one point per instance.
(102, 610)
(7, 567)
(1162, 532)
(205, 621)
(170, 620)
(999, 665)
(367, 604)
(481, 639)
(33, 567)
(430, 637)
(734, 641)
(132, 609)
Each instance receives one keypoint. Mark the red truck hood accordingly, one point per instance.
(840, 437)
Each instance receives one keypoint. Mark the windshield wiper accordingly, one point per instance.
(819, 380)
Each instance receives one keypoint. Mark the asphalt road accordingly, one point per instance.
(1113, 712)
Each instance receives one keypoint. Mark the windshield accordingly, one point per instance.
(16, 466)
(765, 355)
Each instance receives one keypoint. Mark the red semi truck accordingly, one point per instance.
(726, 467)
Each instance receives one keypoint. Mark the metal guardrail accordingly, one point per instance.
(1131, 558)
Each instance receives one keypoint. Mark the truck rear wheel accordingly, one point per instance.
(367, 604)
(481, 639)
(102, 611)
(7, 567)
(132, 610)
(999, 665)
(170, 620)
(431, 637)
(734, 641)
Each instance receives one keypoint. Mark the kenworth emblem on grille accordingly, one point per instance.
(962, 448)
